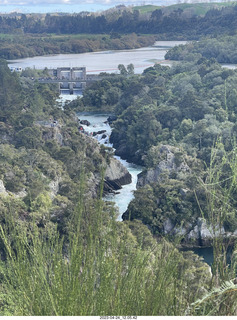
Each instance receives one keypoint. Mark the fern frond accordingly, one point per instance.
(226, 287)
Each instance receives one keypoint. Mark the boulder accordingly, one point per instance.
(98, 132)
(116, 175)
(85, 122)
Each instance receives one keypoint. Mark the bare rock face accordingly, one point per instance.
(170, 164)
(202, 234)
(3, 189)
(168, 226)
(116, 175)
(197, 234)
(54, 187)
(53, 134)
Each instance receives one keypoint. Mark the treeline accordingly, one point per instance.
(62, 250)
(28, 36)
(191, 109)
(41, 164)
(169, 25)
(222, 48)
(23, 46)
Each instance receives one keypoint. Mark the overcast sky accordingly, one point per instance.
(70, 5)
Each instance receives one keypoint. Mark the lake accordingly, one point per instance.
(103, 61)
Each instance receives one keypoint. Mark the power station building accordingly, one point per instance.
(69, 74)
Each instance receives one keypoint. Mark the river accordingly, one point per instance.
(102, 61)
(125, 195)
(107, 61)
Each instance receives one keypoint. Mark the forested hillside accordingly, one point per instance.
(222, 48)
(184, 118)
(63, 252)
(44, 154)
(121, 28)
(164, 21)
(21, 46)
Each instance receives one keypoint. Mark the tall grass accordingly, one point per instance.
(100, 269)
(220, 189)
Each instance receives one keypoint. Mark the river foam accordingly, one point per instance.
(124, 195)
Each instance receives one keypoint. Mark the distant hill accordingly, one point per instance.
(198, 9)
(146, 8)
(184, 21)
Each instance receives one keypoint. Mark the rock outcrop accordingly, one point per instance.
(54, 187)
(85, 122)
(116, 175)
(196, 231)
(202, 234)
(98, 132)
(169, 165)
(196, 234)
(3, 190)
(111, 119)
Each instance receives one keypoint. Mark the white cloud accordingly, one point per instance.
(71, 5)
(78, 2)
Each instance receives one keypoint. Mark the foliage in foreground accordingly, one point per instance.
(104, 267)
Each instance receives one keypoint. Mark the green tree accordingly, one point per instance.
(130, 69)
(29, 137)
(11, 99)
(122, 69)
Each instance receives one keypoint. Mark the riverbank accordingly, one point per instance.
(124, 196)
(98, 123)
(102, 61)
(23, 46)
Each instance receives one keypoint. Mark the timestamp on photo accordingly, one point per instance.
(118, 318)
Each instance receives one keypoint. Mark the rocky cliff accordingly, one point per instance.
(168, 166)
(116, 175)
(197, 234)
(176, 206)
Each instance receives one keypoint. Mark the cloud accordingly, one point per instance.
(45, 6)
(73, 2)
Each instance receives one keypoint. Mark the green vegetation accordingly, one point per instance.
(146, 8)
(22, 46)
(198, 9)
(223, 49)
(169, 120)
(104, 267)
(62, 250)
(119, 28)
(41, 164)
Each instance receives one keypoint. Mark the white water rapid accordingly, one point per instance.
(125, 195)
